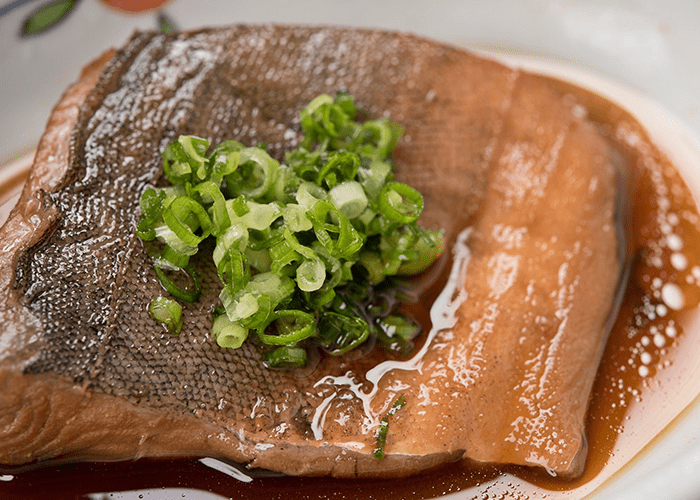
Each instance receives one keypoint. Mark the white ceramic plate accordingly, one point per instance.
(641, 53)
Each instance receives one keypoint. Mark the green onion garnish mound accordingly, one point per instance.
(303, 249)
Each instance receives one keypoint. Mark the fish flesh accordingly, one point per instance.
(522, 183)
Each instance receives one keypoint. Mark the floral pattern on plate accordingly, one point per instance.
(49, 15)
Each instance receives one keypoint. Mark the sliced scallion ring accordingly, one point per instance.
(212, 195)
(290, 326)
(397, 332)
(350, 198)
(234, 270)
(227, 333)
(168, 312)
(310, 275)
(334, 230)
(400, 203)
(255, 175)
(178, 217)
(176, 291)
(286, 357)
(339, 168)
(172, 260)
(339, 334)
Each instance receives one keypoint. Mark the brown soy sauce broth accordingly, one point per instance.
(649, 358)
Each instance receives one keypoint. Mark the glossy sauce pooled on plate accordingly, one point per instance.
(647, 313)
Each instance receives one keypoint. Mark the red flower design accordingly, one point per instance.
(134, 5)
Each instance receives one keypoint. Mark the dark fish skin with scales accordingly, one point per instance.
(85, 374)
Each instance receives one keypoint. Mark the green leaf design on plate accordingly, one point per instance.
(165, 24)
(47, 16)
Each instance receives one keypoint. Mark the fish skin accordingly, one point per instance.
(84, 371)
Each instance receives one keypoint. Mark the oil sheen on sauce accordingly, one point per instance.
(647, 365)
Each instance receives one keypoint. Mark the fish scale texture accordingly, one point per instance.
(92, 281)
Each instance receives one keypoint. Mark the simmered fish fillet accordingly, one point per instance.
(505, 377)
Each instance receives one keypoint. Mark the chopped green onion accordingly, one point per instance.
(176, 291)
(322, 119)
(259, 259)
(374, 266)
(151, 204)
(378, 138)
(286, 357)
(168, 312)
(301, 248)
(212, 195)
(166, 235)
(263, 239)
(397, 333)
(282, 254)
(383, 431)
(264, 291)
(295, 218)
(224, 160)
(374, 177)
(236, 237)
(310, 275)
(255, 175)
(341, 166)
(181, 214)
(350, 198)
(400, 203)
(290, 326)
(397, 246)
(308, 194)
(334, 230)
(184, 161)
(172, 259)
(346, 103)
(429, 247)
(240, 206)
(295, 245)
(259, 215)
(234, 270)
(227, 333)
(339, 334)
